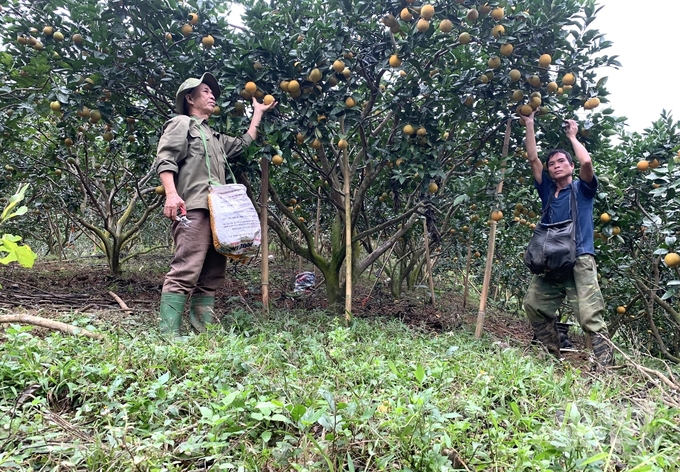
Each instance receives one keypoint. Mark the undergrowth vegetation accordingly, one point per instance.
(301, 392)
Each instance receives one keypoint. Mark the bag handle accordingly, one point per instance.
(207, 156)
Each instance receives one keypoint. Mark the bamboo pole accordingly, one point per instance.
(466, 289)
(428, 260)
(348, 230)
(492, 241)
(264, 199)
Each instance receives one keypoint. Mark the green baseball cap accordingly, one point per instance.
(190, 84)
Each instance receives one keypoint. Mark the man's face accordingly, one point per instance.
(202, 100)
(559, 166)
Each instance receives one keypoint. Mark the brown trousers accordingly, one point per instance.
(196, 268)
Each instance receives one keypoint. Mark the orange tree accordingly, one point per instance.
(86, 89)
(637, 237)
(416, 95)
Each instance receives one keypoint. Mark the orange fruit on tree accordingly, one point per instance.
(552, 87)
(642, 165)
(515, 75)
(544, 61)
(395, 61)
(496, 215)
(535, 81)
(433, 187)
(497, 31)
(672, 259)
(498, 13)
(620, 310)
(526, 110)
(591, 103)
(187, 29)
(268, 99)
(350, 102)
(338, 66)
(494, 62)
(293, 86)
(517, 95)
(316, 144)
(193, 18)
(446, 26)
(251, 87)
(277, 160)
(472, 14)
(422, 25)
(616, 230)
(507, 49)
(421, 132)
(427, 11)
(315, 75)
(605, 218)
(343, 144)
(464, 37)
(568, 79)
(208, 41)
(409, 130)
(654, 164)
(406, 15)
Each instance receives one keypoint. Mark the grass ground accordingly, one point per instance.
(298, 390)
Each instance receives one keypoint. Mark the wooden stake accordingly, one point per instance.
(264, 200)
(427, 258)
(492, 241)
(348, 230)
(466, 289)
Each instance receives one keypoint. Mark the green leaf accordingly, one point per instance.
(297, 412)
(420, 374)
(597, 457)
(13, 201)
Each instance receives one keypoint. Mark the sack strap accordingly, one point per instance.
(572, 201)
(207, 156)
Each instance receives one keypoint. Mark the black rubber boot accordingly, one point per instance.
(602, 348)
(546, 333)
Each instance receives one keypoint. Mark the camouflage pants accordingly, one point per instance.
(544, 297)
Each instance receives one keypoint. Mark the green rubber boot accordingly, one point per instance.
(202, 312)
(172, 307)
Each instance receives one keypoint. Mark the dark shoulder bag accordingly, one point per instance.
(552, 249)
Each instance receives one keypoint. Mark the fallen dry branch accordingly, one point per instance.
(50, 324)
(670, 393)
(121, 303)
